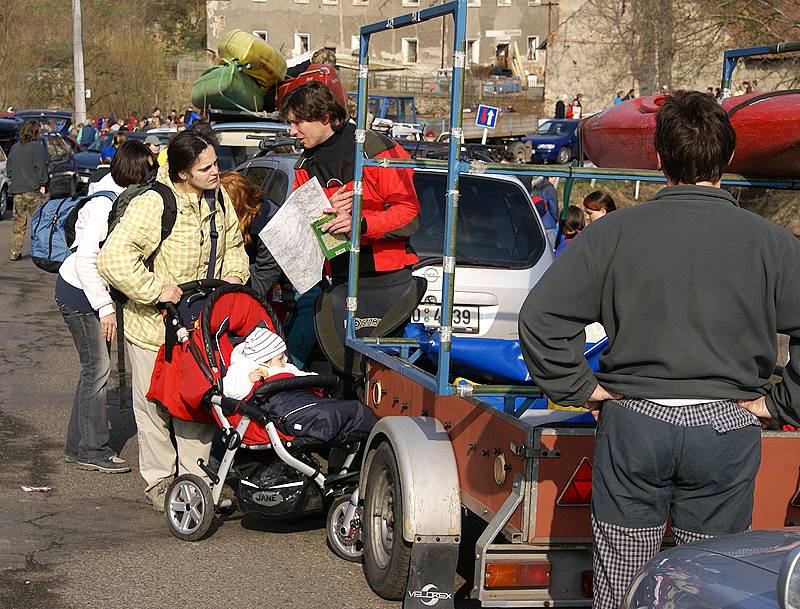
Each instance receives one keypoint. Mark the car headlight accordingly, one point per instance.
(546, 146)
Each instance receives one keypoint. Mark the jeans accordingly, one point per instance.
(87, 433)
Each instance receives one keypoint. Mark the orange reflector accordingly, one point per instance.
(587, 584)
(579, 488)
(517, 575)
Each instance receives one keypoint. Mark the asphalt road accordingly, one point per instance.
(92, 541)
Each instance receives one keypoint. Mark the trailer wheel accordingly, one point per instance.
(564, 156)
(519, 152)
(387, 555)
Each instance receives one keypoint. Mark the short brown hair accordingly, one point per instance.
(575, 220)
(694, 138)
(30, 132)
(314, 102)
(599, 200)
(131, 163)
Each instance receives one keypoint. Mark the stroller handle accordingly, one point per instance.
(200, 285)
(174, 318)
(298, 382)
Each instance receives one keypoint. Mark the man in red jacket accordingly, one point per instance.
(390, 207)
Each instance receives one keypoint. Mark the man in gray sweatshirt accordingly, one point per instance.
(27, 171)
(691, 290)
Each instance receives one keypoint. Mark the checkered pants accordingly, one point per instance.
(619, 552)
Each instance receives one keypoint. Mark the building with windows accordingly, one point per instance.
(497, 30)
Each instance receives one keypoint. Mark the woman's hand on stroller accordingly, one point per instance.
(170, 293)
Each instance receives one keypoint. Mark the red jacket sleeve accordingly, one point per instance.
(393, 190)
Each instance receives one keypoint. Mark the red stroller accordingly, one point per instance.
(275, 473)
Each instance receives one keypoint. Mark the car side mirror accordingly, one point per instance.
(789, 581)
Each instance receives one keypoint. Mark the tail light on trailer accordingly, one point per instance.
(578, 491)
(587, 585)
(517, 575)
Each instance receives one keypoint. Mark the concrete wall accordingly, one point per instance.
(333, 23)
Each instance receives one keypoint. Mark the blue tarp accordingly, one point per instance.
(500, 361)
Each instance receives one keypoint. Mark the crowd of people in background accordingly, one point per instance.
(86, 133)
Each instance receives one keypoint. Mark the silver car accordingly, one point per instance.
(756, 570)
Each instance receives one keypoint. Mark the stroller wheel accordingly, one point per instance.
(346, 545)
(189, 507)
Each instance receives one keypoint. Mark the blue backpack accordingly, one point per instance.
(53, 229)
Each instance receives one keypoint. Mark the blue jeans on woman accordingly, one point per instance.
(87, 433)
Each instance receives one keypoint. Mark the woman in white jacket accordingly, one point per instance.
(86, 306)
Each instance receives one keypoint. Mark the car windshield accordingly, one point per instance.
(496, 222)
(235, 147)
(99, 144)
(556, 128)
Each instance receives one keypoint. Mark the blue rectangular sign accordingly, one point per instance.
(486, 116)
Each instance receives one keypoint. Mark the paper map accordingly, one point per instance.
(291, 240)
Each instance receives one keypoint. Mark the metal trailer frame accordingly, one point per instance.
(399, 355)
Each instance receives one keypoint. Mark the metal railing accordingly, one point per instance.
(376, 349)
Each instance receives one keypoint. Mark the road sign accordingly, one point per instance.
(486, 116)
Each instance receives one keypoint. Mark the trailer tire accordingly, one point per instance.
(519, 152)
(387, 556)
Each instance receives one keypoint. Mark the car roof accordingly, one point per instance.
(292, 157)
(48, 113)
(250, 126)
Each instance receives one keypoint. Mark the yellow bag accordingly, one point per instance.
(266, 65)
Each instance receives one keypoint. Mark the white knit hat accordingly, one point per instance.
(261, 345)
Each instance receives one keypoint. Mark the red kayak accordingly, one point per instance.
(767, 134)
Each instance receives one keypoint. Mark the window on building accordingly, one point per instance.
(301, 1)
(473, 51)
(361, 2)
(534, 2)
(261, 34)
(409, 50)
(473, 2)
(503, 2)
(301, 44)
(410, 2)
(355, 43)
(533, 48)
(259, 0)
(330, 1)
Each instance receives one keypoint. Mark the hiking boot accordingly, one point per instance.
(158, 494)
(112, 465)
(14, 256)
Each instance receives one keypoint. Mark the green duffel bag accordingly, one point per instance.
(227, 87)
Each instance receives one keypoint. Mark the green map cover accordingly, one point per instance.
(332, 245)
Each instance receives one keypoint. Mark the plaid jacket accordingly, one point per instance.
(182, 257)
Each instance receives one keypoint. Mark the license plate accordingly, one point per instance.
(465, 318)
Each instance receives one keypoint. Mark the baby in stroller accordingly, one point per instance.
(261, 356)
(275, 428)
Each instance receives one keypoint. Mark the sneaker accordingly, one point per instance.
(158, 494)
(112, 465)
(14, 256)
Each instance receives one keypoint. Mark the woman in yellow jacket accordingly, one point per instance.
(147, 270)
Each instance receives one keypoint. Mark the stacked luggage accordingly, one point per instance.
(246, 78)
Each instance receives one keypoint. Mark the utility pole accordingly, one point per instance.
(77, 61)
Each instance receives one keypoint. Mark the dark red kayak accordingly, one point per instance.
(767, 134)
